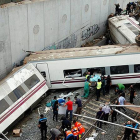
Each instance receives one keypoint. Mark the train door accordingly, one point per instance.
(44, 70)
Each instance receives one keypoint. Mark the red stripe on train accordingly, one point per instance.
(22, 102)
(78, 80)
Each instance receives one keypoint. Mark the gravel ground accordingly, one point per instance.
(29, 123)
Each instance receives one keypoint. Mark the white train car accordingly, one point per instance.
(20, 91)
(123, 29)
(66, 68)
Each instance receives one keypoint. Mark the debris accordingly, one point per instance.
(47, 109)
(69, 94)
(17, 132)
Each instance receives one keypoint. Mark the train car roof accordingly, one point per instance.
(82, 52)
(127, 26)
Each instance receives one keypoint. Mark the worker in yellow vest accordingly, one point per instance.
(88, 75)
(98, 86)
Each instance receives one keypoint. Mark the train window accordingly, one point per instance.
(3, 105)
(137, 68)
(96, 70)
(17, 93)
(32, 81)
(73, 73)
(119, 69)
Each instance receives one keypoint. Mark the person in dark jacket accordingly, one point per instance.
(132, 91)
(100, 115)
(134, 132)
(55, 110)
(127, 131)
(108, 84)
(114, 113)
(65, 123)
(103, 85)
(43, 126)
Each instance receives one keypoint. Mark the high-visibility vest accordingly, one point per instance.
(68, 133)
(99, 84)
(87, 76)
(80, 127)
(74, 129)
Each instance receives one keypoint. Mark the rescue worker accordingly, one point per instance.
(127, 131)
(80, 127)
(65, 123)
(86, 88)
(120, 89)
(132, 91)
(98, 89)
(75, 132)
(68, 134)
(88, 75)
(134, 132)
(42, 126)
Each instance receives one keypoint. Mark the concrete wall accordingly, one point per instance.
(50, 24)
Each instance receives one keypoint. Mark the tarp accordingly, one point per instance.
(95, 78)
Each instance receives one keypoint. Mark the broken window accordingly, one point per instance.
(137, 68)
(32, 81)
(3, 105)
(96, 70)
(119, 69)
(73, 73)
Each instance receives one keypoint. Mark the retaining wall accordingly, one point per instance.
(51, 24)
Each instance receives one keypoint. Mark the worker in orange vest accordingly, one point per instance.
(79, 126)
(68, 134)
(75, 132)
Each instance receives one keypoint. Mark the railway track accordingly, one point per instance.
(113, 132)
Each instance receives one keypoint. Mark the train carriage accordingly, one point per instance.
(18, 93)
(67, 68)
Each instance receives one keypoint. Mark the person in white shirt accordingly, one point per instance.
(107, 110)
(121, 102)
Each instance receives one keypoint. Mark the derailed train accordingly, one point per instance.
(66, 68)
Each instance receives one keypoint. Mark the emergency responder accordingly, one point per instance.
(127, 131)
(88, 75)
(65, 123)
(120, 89)
(134, 132)
(42, 126)
(98, 89)
(75, 132)
(68, 134)
(80, 127)
(86, 88)
(132, 91)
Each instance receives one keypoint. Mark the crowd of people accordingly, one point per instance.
(72, 130)
(69, 131)
(130, 8)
